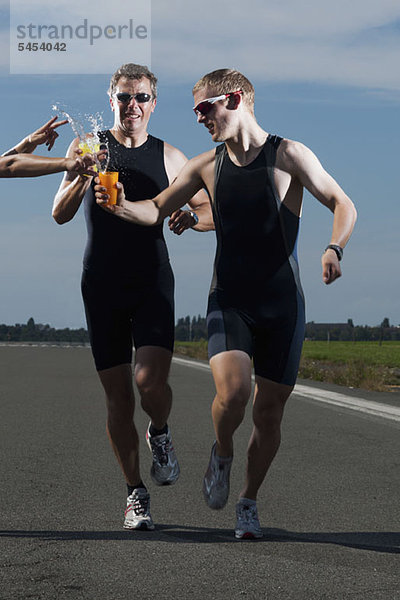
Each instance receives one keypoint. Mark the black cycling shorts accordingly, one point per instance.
(273, 338)
(124, 311)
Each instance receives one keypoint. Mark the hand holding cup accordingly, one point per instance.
(109, 195)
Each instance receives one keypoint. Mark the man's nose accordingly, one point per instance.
(133, 102)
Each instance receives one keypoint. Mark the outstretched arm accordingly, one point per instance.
(28, 165)
(44, 135)
(304, 165)
(198, 216)
(153, 211)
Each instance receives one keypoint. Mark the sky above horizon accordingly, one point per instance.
(325, 74)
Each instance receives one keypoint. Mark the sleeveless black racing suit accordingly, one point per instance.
(256, 303)
(127, 281)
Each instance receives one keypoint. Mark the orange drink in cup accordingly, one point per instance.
(108, 179)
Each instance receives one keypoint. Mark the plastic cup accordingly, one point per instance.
(108, 179)
(89, 146)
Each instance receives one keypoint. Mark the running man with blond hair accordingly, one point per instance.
(255, 181)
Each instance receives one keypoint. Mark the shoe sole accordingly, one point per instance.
(141, 527)
(247, 536)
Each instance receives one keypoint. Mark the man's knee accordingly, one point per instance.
(267, 414)
(118, 388)
(151, 370)
(120, 409)
(233, 398)
(150, 382)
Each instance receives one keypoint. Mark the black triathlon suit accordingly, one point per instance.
(127, 281)
(256, 303)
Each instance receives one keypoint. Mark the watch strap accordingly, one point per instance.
(194, 216)
(337, 249)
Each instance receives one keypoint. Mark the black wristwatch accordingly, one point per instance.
(194, 216)
(337, 249)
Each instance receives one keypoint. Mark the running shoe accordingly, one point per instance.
(137, 513)
(247, 524)
(216, 480)
(165, 468)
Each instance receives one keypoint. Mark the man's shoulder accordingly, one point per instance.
(206, 157)
(172, 152)
(175, 160)
(291, 150)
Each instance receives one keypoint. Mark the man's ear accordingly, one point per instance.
(112, 104)
(234, 101)
(154, 104)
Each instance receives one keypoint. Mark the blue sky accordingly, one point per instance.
(325, 74)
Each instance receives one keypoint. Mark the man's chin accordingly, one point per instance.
(216, 137)
(132, 127)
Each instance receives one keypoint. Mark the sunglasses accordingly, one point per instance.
(204, 107)
(125, 97)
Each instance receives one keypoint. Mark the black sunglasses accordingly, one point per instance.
(125, 97)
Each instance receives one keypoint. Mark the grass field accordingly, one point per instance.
(366, 365)
(386, 354)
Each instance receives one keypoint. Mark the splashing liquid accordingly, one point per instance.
(88, 140)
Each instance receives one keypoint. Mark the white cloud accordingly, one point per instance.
(347, 43)
(334, 43)
(48, 37)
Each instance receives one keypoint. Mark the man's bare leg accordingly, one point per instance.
(232, 376)
(269, 403)
(152, 364)
(151, 375)
(118, 386)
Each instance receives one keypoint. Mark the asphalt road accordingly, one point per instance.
(329, 507)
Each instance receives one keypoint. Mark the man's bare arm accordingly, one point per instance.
(180, 220)
(44, 135)
(28, 165)
(72, 189)
(304, 165)
(154, 211)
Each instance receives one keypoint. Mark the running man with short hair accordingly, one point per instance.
(128, 284)
(255, 181)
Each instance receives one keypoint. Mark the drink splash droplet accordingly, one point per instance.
(88, 136)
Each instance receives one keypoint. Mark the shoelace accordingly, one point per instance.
(140, 505)
(247, 513)
(219, 474)
(160, 450)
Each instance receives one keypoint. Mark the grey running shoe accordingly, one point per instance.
(247, 524)
(216, 480)
(165, 468)
(137, 513)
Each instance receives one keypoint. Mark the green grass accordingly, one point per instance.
(371, 353)
(192, 349)
(365, 365)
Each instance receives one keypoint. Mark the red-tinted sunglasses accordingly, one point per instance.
(204, 107)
